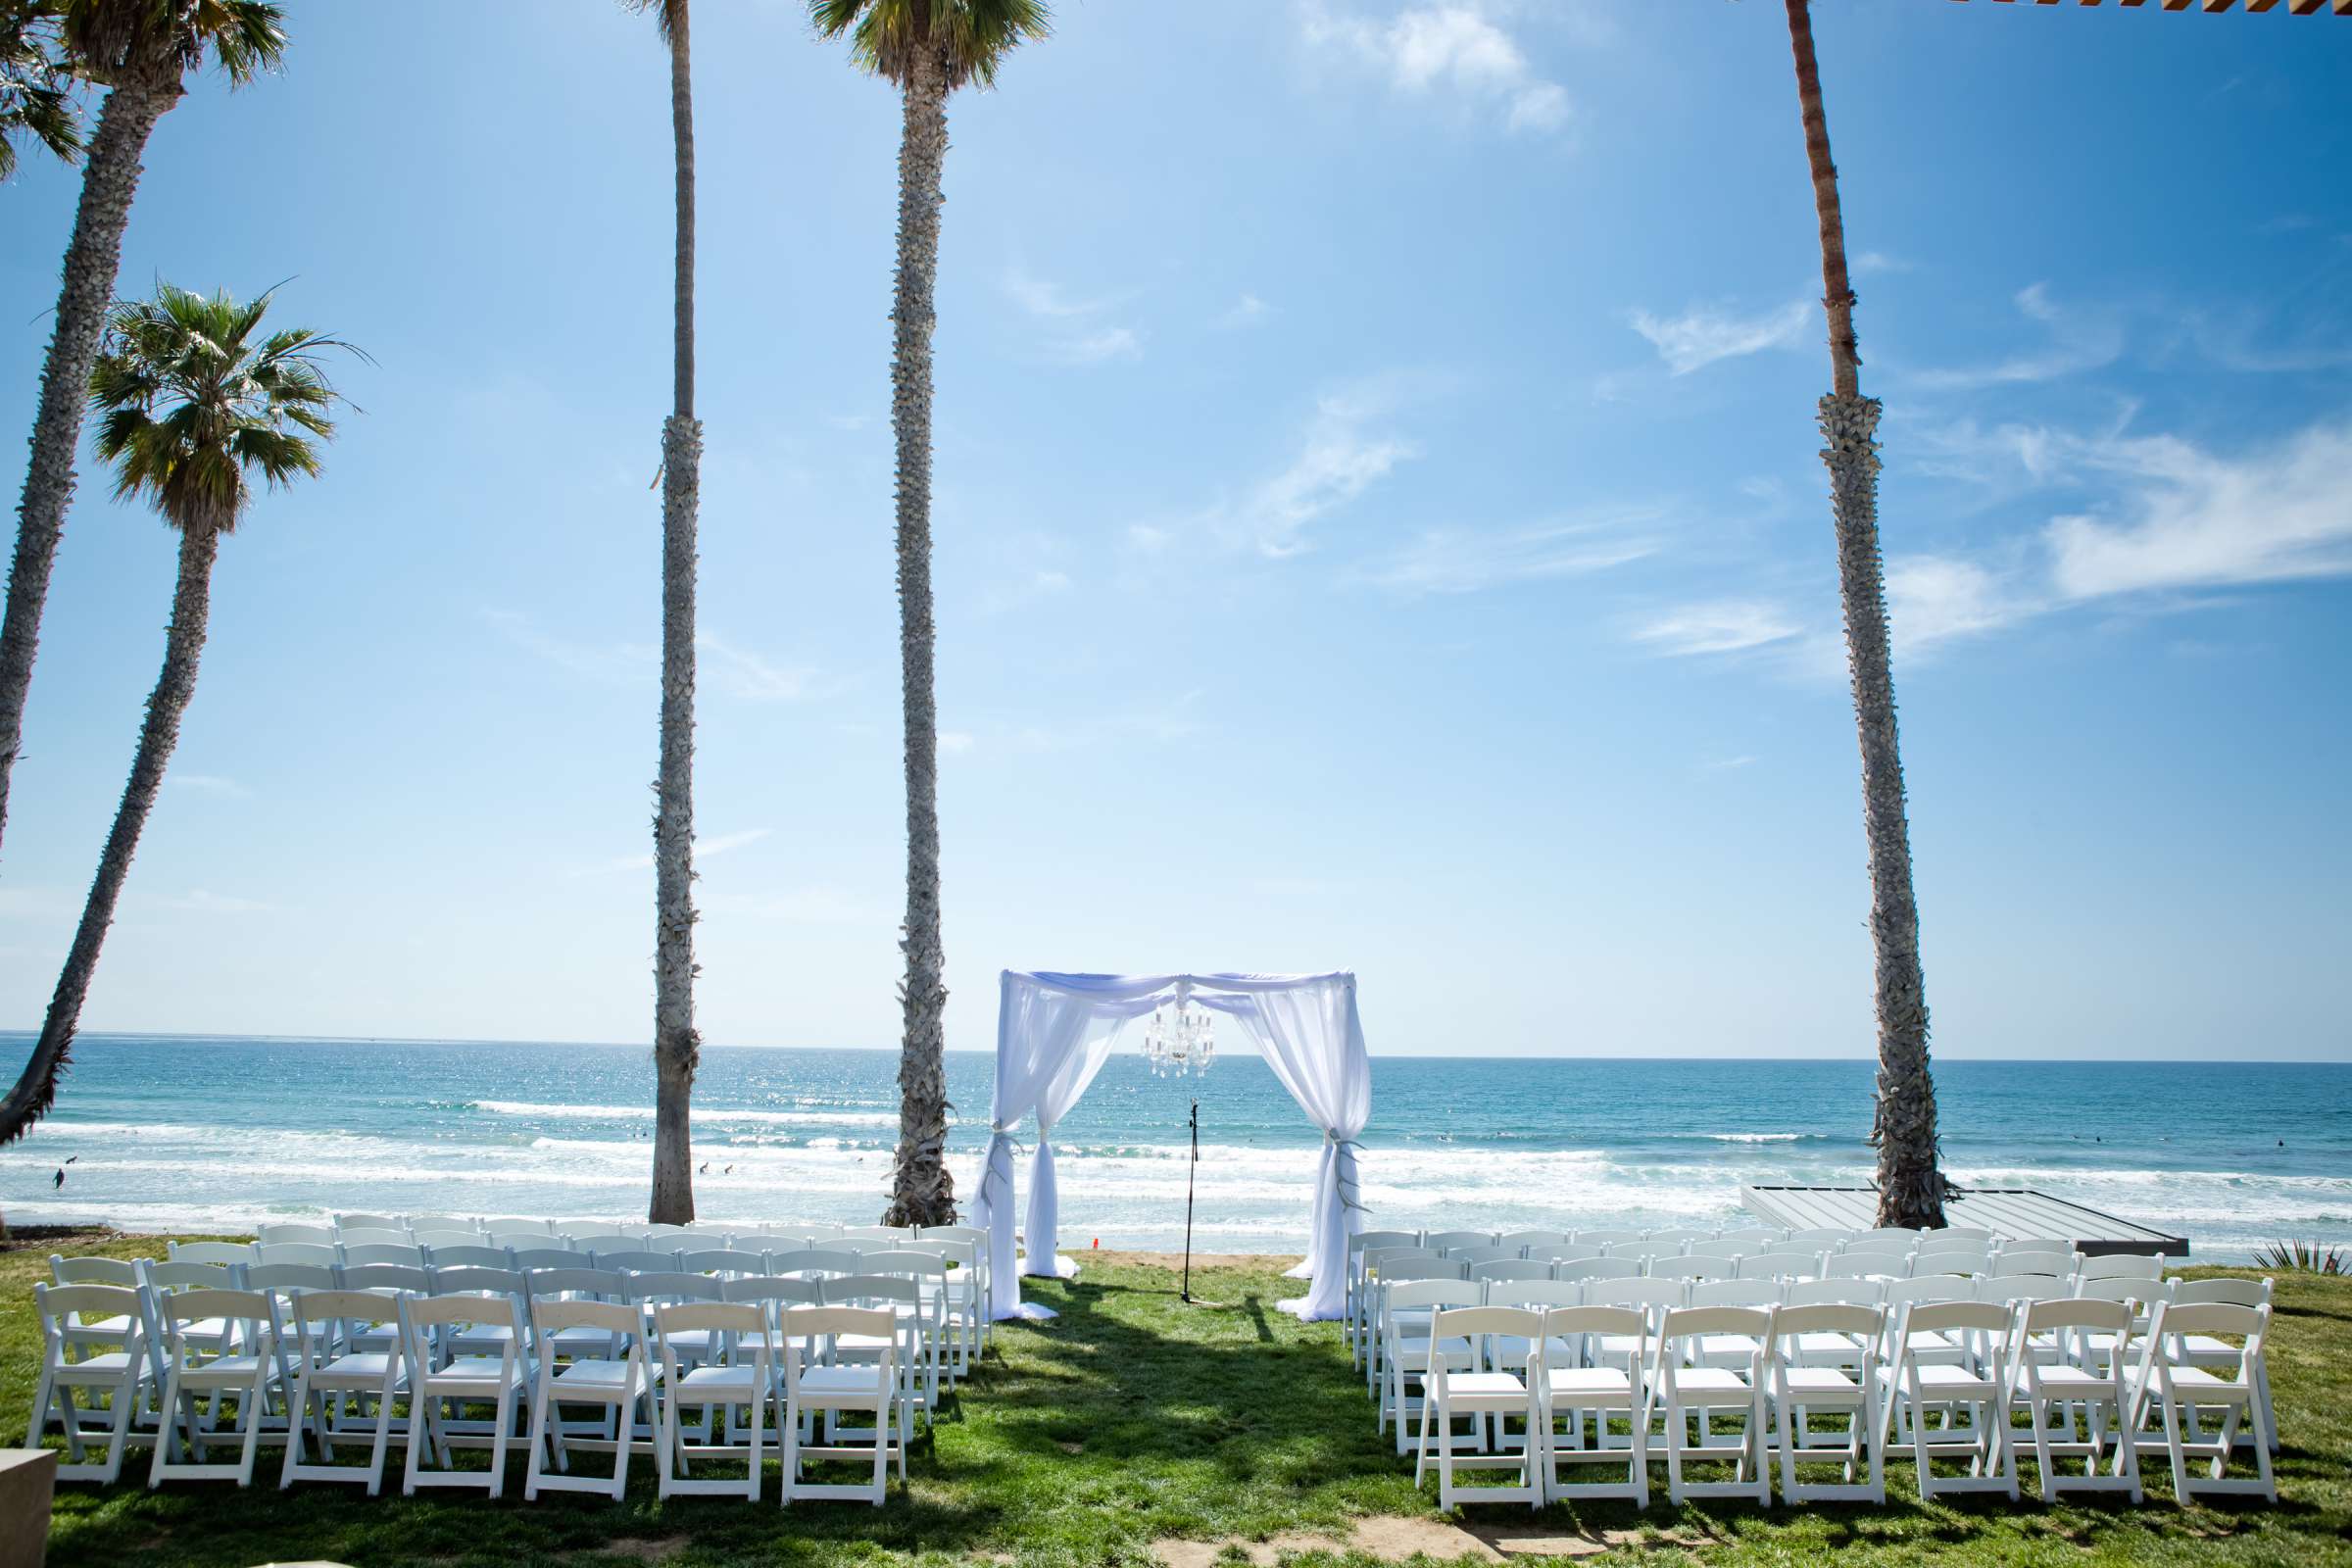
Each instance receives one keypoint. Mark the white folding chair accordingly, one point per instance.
(1599, 1241)
(710, 1382)
(1528, 1240)
(1407, 1308)
(815, 1387)
(1446, 1240)
(342, 1350)
(242, 1363)
(1586, 1385)
(226, 1255)
(614, 1376)
(1686, 1394)
(1799, 1391)
(78, 1359)
(2070, 1405)
(401, 1254)
(306, 1235)
(1917, 1390)
(371, 1222)
(2209, 1352)
(1480, 1394)
(308, 1255)
(502, 1380)
(2182, 1390)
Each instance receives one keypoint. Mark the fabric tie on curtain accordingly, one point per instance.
(995, 1197)
(1041, 1229)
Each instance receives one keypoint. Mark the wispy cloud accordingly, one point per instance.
(2175, 525)
(725, 666)
(2079, 340)
(1075, 332)
(208, 784)
(1716, 626)
(1706, 333)
(1726, 765)
(1343, 455)
(957, 740)
(705, 848)
(1098, 346)
(1452, 48)
(1247, 311)
(741, 672)
(1460, 560)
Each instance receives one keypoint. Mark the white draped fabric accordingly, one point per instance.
(1054, 1032)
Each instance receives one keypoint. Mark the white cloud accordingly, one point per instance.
(1932, 598)
(1726, 765)
(1339, 460)
(1872, 261)
(705, 848)
(1718, 626)
(1098, 346)
(1247, 311)
(2078, 343)
(740, 672)
(1075, 333)
(1451, 47)
(614, 663)
(1147, 539)
(1703, 333)
(1460, 560)
(1050, 301)
(208, 784)
(957, 740)
(2191, 519)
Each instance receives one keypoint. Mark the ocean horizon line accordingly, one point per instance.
(224, 1037)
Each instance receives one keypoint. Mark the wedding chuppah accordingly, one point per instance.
(1056, 1031)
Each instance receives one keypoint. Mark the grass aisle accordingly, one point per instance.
(1135, 1422)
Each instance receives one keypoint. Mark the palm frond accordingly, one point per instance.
(108, 38)
(969, 38)
(667, 13)
(36, 97)
(198, 400)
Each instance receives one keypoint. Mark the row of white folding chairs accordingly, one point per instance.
(963, 1249)
(1661, 1376)
(1374, 1264)
(1605, 1283)
(292, 1364)
(959, 1306)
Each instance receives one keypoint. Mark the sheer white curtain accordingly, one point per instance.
(1310, 1036)
(1054, 1033)
(1050, 1042)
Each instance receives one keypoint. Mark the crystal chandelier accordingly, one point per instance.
(1180, 1039)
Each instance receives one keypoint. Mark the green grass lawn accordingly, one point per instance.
(1135, 1420)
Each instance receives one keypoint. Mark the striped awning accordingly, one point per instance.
(2294, 8)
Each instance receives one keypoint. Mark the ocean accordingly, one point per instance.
(203, 1133)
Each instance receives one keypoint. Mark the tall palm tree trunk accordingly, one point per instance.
(677, 1048)
(921, 1191)
(93, 256)
(1911, 1187)
(183, 645)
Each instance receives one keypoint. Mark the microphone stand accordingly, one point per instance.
(1189, 1172)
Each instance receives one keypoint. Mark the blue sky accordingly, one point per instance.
(1379, 526)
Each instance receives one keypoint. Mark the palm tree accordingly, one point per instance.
(677, 1048)
(35, 92)
(927, 49)
(196, 402)
(1911, 1187)
(141, 50)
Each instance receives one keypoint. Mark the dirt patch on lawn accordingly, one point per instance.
(1400, 1538)
(656, 1548)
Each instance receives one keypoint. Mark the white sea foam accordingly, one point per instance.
(702, 1114)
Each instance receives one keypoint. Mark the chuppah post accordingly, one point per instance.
(1190, 1171)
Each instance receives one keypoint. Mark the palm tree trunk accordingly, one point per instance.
(93, 256)
(1911, 1187)
(677, 1048)
(183, 645)
(921, 1191)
